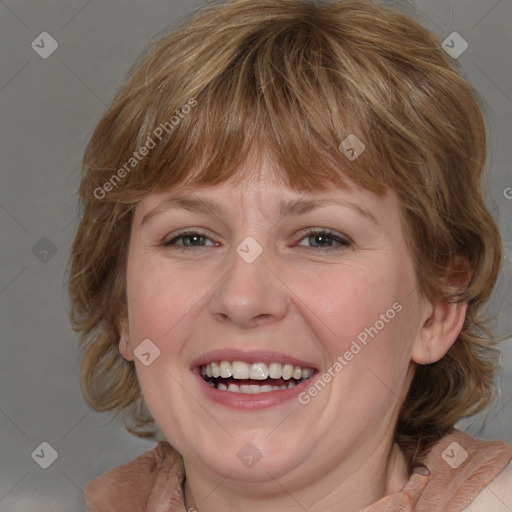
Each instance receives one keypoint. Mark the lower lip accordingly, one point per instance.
(251, 402)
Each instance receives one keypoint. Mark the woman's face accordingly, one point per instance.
(321, 281)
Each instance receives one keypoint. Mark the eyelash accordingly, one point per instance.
(344, 242)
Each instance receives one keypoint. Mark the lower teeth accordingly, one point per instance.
(250, 389)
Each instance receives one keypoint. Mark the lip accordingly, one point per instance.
(244, 401)
(251, 356)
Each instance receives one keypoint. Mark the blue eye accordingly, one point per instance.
(321, 238)
(192, 235)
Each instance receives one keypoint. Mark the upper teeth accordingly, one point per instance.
(257, 371)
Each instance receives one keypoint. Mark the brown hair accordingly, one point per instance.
(294, 78)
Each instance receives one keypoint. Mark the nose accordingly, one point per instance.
(249, 294)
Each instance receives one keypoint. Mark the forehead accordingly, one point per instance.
(267, 191)
(257, 181)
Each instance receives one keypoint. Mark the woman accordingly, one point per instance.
(281, 266)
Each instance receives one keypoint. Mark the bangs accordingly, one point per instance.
(291, 109)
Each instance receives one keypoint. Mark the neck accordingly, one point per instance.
(382, 472)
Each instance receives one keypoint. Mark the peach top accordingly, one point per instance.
(456, 470)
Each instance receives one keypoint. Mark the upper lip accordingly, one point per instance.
(249, 356)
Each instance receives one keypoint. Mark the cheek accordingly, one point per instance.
(351, 301)
(368, 327)
(160, 298)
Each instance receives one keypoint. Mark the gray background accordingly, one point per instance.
(48, 109)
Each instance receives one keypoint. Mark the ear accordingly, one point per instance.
(125, 347)
(442, 320)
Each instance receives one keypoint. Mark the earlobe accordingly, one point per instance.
(125, 347)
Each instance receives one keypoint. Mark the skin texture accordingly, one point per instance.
(299, 298)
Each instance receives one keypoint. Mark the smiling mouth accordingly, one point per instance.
(259, 377)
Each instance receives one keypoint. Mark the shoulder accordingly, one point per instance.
(496, 495)
(128, 487)
(463, 468)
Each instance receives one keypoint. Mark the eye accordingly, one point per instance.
(319, 238)
(323, 239)
(191, 237)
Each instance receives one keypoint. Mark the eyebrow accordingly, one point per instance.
(286, 208)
